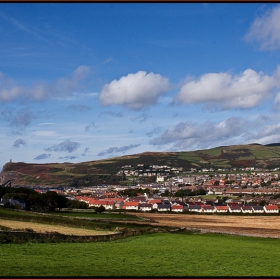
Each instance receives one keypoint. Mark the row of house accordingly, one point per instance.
(141, 204)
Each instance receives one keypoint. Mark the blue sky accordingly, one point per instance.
(87, 81)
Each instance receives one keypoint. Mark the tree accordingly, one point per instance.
(50, 199)
(100, 209)
(76, 204)
(182, 193)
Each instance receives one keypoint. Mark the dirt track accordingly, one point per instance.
(262, 226)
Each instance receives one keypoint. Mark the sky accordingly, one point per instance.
(88, 81)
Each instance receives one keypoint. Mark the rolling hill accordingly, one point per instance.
(105, 171)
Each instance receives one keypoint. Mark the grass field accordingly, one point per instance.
(94, 215)
(154, 255)
(68, 219)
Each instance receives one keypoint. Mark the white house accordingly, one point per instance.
(195, 208)
(131, 205)
(234, 209)
(160, 179)
(221, 209)
(247, 209)
(257, 209)
(163, 207)
(177, 208)
(145, 206)
(271, 209)
(208, 208)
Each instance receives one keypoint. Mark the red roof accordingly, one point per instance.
(177, 206)
(155, 201)
(221, 208)
(233, 204)
(131, 203)
(271, 207)
(115, 199)
(207, 207)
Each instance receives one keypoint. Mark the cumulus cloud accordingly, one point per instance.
(40, 91)
(19, 142)
(122, 149)
(266, 30)
(66, 146)
(225, 91)
(79, 108)
(42, 156)
(268, 134)
(134, 91)
(190, 135)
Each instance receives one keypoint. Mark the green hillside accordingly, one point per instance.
(105, 171)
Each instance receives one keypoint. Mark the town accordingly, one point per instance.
(244, 190)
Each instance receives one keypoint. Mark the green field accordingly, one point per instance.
(87, 220)
(214, 152)
(154, 255)
(94, 215)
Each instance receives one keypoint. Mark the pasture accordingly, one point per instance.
(153, 255)
(160, 254)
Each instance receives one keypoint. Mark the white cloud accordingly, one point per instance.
(40, 91)
(134, 91)
(223, 90)
(9, 91)
(266, 30)
(277, 101)
(62, 87)
(267, 135)
(190, 135)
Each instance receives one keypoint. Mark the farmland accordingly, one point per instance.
(187, 253)
(247, 225)
(154, 255)
(19, 225)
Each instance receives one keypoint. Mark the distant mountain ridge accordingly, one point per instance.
(105, 171)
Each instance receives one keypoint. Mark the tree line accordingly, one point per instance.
(48, 201)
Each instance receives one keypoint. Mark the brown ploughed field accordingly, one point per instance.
(261, 226)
